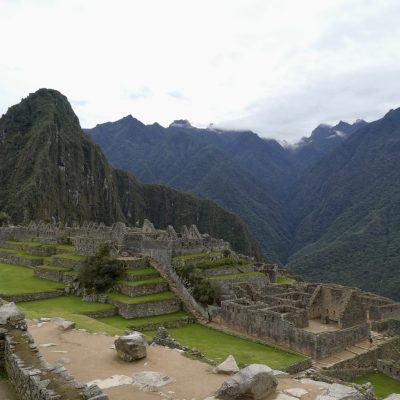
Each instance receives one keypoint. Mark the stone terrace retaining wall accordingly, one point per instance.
(101, 314)
(32, 377)
(10, 258)
(141, 290)
(66, 262)
(49, 274)
(147, 309)
(389, 368)
(33, 296)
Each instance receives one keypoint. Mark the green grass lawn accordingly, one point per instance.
(236, 276)
(69, 304)
(16, 279)
(70, 256)
(122, 323)
(383, 385)
(31, 244)
(284, 279)
(22, 254)
(141, 272)
(149, 281)
(141, 299)
(194, 256)
(218, 345)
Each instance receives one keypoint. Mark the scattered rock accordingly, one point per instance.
(150, 381)
(296, 392)
(228, 367)
(255, 382)
(63, 325)
(277, 373)
(284, 396)
(341, 392)
(10, 313)
(393, 396)
(131, 347)
(113, 381)
(47, 345)
(43, 319)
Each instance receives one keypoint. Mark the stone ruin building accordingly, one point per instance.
(314, 319)
(160, 244)
(317, 320)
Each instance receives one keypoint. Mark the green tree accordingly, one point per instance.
(100, 272)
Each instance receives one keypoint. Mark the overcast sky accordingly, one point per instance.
(276, 67)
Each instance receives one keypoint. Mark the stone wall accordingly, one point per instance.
(147, 309)
(33, 296)
(55, 275)
(369, 359)
(227, 285)
(328, 343)
(140, 290)
(175, 284)
(281, 329)
(387, 311)
(390, 368)
(11, 258)
(32, 377)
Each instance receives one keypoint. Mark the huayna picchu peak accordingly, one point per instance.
(52, 170)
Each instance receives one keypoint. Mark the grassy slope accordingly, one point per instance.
(141, 299)
(383, 385)
(218, 345)
(15, 279)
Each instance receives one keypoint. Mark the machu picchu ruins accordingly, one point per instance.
(341, 332)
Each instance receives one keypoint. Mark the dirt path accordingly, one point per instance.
(6, 391)
(89, 357)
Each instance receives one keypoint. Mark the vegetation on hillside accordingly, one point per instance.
(51, 170)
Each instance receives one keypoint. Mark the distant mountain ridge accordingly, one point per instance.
(326, 207)
(51, 170)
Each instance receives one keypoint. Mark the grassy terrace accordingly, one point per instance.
(284, 279)
(143, 282)
(194, 256)
(16, 279)
(236, 276)
(141, 299)
(69, 256)
(22, 254)
(122, 323)
(218, 345)
(141, 272)
(383, 385)
(69, 304)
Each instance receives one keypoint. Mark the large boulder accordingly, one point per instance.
(228, 367)
(255, 382)
(131, 347)
(10, 313)
(393, 396)
(341, 392)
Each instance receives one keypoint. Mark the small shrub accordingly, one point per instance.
(101, 271)
(226, 253)
(5, 219)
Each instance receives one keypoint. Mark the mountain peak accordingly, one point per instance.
(181, 123)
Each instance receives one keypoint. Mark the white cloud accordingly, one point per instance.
(278, 67)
